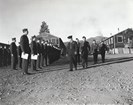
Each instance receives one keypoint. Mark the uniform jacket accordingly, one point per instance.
(33, 48)
(39, 50)
(19, 51)
(78, 47)
(85, 48)
(13, 49)
(24, 43)
(94, 48)
(103, 48)
(72, 48)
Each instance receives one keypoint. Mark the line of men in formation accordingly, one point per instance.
(77, 50)
(39, 48)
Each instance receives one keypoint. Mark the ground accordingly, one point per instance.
(55, 85)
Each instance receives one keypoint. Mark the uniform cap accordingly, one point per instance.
(13, 38)
(33, 36)
(83, 37)
(69, 37)
(25, 29)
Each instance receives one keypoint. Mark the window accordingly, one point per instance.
(53, 41)
(120, 39)
(111, 40)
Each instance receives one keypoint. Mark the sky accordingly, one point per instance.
(79, 18)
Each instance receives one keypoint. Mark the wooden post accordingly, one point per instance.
(114, 44)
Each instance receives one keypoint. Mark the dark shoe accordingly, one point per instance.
(28, 73)
(15, 69)
(36, 70)
(71, 70)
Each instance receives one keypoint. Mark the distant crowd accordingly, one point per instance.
(77, 52)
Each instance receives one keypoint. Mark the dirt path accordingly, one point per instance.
(55, 85)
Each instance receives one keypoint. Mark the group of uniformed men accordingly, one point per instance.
(5, 58)
(77, 50)
(38, 48)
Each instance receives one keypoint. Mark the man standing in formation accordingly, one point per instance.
(39, 54)
(78, 51)
(13, 49)
(33, 53)
(103, 49)
(19, 56)
(94, 49)
(42, 53)
(85, 49)
(46, 53)
(24, 43)
(72, 51)
(1, 56)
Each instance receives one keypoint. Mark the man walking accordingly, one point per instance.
(78, 51)
(103, 49)
(85, 49)
(94, 50)
(72, 51)
(24, 43)
(13, 49)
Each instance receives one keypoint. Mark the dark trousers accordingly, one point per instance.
(103, 57)
(95, 55)
(25, 65)
(78, 58)
(33, 64)
(20, 62)
(85, 61)
(39, 61)
(14, 62)
(42, 60)
(72, 62)
(46, 60)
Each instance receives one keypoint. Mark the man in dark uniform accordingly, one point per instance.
(85, 49)
(94, 50)
(46, 53)
(78, 51)
(5, 56)
(33, 53)
(72, 51)
(19, 56)
(39, 50)
(13, 49)
(103, 49)
(1, 56)
(42, 53)
(9, 55)
(24, 44)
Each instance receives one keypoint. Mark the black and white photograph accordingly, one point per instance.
(66, 52)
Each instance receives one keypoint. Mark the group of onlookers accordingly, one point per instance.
(81, 49)
(38, 53)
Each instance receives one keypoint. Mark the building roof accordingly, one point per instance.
(124, 31)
